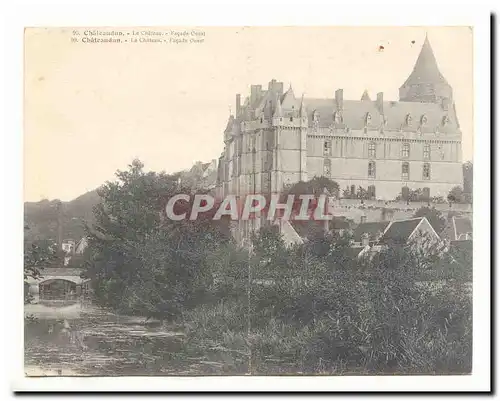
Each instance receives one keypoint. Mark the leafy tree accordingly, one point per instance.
(434, 216)
(139, 260)
(362, 193)
(456, 195)
(37, 256)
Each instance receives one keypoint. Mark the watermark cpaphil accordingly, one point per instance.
(248, 207)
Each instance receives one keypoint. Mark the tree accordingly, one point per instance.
(37, 256)
(456, 195)
(316, 186)
(139, 261)
(362, 193)
(434, 216)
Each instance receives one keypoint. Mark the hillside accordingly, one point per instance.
(41, 218)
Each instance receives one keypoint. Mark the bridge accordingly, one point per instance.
(61, 284)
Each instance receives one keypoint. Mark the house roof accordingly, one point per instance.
(461, 227)
(400, 231)
(465, 245)
(371, 228)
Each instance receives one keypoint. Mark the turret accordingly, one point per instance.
(425, 84)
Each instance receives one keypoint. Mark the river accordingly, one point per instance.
(90, 341)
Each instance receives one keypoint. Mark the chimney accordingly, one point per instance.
(339, 99)
(275, 86)
(446, 103)
(380, 102)
(255, 93)
(238, 104)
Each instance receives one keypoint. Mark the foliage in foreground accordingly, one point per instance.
(310, 308)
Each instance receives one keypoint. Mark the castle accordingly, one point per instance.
(276, 139)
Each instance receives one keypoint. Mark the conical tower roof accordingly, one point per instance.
(426, 70)
(277, 111)
(302, 110)
(365, 96)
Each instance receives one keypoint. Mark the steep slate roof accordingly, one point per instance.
(426, 69)
(365, 96)
(371, 228)
(425, 82)
(354, 115)
(400, 231)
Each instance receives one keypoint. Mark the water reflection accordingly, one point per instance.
(97, 342)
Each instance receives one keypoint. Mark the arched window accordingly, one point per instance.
(405, 150)
(372, 149)
(426, 171)
(368, 118)
(408, 120)
(423, 120)
(427, 151)
(405, 171)
(327, 167)
(371, 169)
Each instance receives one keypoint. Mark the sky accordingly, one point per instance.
(90, 109)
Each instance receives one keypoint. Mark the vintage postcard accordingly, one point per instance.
(224, 201)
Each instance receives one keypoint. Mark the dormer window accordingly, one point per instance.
(423, 120)
(315, 116)
(408, 120)
(446, 120)
(368, 118)
(337, 118)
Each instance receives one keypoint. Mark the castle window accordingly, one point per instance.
(327, 148)
(327, 167)
(426, 172)
(371, 169)
(372, 150)
(371, 191)
(405, 171)
(405, 150)
(427, 151)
